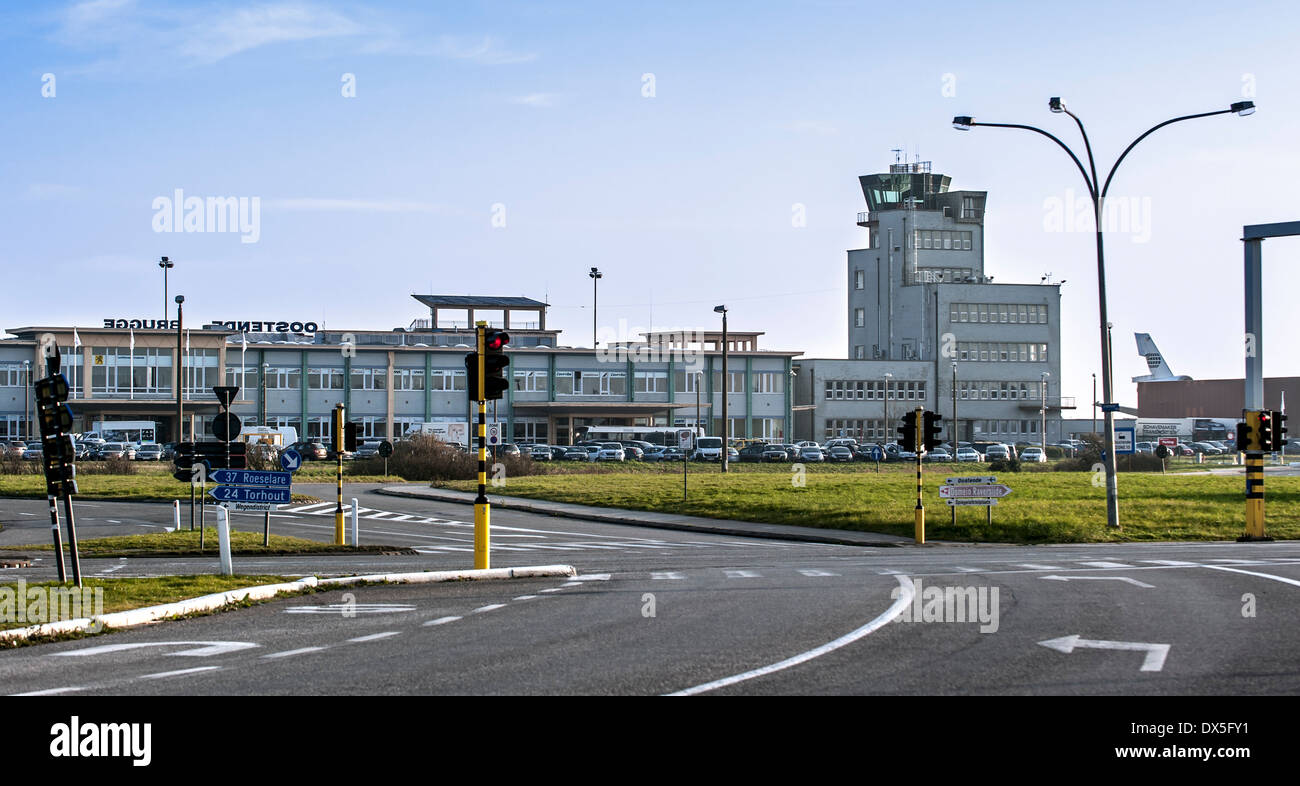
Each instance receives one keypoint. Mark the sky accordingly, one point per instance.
(695, 154)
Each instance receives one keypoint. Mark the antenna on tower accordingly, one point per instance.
(897, 151)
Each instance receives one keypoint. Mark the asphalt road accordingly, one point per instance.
(658, 611)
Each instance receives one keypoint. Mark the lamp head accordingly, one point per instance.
(963, 122)
(720, 309)
(180, 299)
(1056, 104)
(1243, 108)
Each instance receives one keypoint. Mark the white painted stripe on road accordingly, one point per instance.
(970, 570)
(440, 621)
(1105, 564)
(592, 577)
(905, 595)
(525, 597)
(291, 653)
(667, 575)
(164, 674)
(889, 572)
(490, 607)
(1282, 579)
(815, 572)
(1173, 563)
(50, 691)
(553, 589)
(375, 636)
(20, 513)
(1238, 561)
(743, 574)
(1034, 566)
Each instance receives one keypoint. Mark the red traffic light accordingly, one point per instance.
(496, 340)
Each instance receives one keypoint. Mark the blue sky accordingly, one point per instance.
(683, 199)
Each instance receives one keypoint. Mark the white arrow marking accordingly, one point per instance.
(1134, 582)
(204, 650)
(1156, 653)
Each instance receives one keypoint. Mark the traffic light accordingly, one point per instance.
(907, 432)
(209, 455)
(55, 421)
(933, 424)
(1279, 431)
(495, 364)
(350, 437)
(1245, 434)
(1264, 430)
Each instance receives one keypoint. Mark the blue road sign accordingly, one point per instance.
(278, 496)
(876, 453)
(1110, 407)
(251, 477)
(291, 460)
(1124, 440)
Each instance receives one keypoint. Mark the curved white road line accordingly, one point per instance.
(906, 592)
(1282, 579)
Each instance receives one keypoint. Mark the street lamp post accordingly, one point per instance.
(1094, 405)
(794, 372)
(956, 432)
(726, 430)
(1042, 411)
(595, 275)
(180, 371)
(888, 376)
(166, 264)
(27, 400)
(266, 369)
(1098, 191)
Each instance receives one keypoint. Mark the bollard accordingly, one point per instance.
(223, 540)
(176, 515)
(355, 532)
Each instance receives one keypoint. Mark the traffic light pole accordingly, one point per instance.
(482, 509)
(72, 535)
(338, 457)
(918, 419)
(58, 537)
(1254, 497)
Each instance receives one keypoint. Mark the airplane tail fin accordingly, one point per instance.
(1159, 369)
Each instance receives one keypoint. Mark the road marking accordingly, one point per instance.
(815, 572)
(889, 572)
(1134, 582)
(742, 574)
(525, 597)
(489, 607)
(1282, 579)
(351, 608)
(667, 575)
(1033, 566)
(27, 694)
(112, 569)
(112, 521)
(1173, 563)
(1154, 661)
(553, 589)
(906, 593)
(440, 621)
(970, 570)
(50, 691)
(291, 653)
(206, 648)
(375, 636)
(1105, 564)
(1238, 561)
(592, 577)
(164, 674)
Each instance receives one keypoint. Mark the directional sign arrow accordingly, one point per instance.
(985, 490)
(278, 496)
(1155, 659)
(1134, 582)
(251, 477)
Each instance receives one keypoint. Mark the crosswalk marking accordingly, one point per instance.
(743, 574)
(815, 572)
(1034, 566)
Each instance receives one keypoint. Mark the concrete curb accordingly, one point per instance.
(629, 518)
(216, 600)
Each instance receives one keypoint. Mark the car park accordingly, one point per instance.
(1034, 456)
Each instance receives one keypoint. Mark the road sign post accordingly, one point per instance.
(977, 490)
(685, 441)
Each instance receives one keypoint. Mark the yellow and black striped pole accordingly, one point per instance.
(338, 456)
(1254, 496)
(917, 446)
(482, 511)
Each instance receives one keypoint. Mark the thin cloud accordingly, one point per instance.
(535, 100)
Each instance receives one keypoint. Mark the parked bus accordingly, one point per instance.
(138, 432)
(655, 435)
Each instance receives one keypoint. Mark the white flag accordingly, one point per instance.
(133, 343)
(187, 341)
(76, 339)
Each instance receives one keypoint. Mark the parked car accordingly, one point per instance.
(864, 452)
(775, 453)
(812, 454)
(1150, 447)
(968, 454)
(709, 449)
(896, 453)
(15, 449)
(672, 454)
(938, 454)
(1034, 455)
(840, 452)
(34, 452)
(611, 451)
(995, 452)
(541, 452)
(114, 450)
(367, 450)
(310, 451)
(752, 452)
(654, 454)
(151, 452)
(849, 442)
(582, 453)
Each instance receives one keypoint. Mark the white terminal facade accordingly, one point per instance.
(390, 380)
(925, 320)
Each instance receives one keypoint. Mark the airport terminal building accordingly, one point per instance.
(391, 380)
